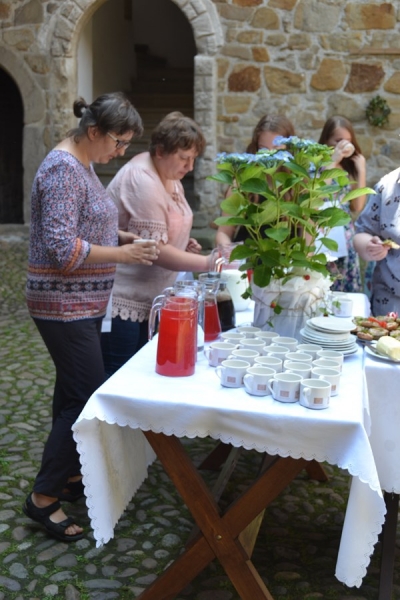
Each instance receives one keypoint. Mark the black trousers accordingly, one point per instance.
(76, 352)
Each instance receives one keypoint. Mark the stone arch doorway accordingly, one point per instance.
(11, 132)
(206, 29)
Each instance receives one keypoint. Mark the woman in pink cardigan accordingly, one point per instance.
(151, 204)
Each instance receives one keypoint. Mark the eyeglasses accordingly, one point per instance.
(118, 143)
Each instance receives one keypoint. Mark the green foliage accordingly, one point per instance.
(287, 223)
(377, 111)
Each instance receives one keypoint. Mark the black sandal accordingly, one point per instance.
(75, 491)
(42, 515)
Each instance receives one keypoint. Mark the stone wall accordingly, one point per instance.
(308, 59)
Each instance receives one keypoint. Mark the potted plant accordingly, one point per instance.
(279, 196)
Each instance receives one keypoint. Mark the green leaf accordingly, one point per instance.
(267, 215)
(278, 234)
(241, 251)
(262, 275)
(231, 221)
(233, 204)
(357, 193)
(298, 169)
(332, 173)
(222, 177)
(251, 172)
(329, 243)
(255, 186)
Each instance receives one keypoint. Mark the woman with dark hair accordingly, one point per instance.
(267, 129)
(74, 245)
(151, 203)
(338, 132)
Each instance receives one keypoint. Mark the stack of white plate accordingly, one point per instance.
(332, 333)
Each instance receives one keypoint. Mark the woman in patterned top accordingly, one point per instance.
(74, 245)
(378, 239)
(338, 133)
(151, 203)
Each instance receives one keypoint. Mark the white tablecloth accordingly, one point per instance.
(383, 379)
(115, 454)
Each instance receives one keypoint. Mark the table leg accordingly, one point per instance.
(388, 546)
(316, 471)
(220, 453)
(217, 457)
(218, 537)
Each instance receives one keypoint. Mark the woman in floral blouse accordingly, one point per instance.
(74, 245)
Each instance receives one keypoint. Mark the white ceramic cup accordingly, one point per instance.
(252, 344)
(330, 375)
(292, 366)
(269, 361)
(324, 362)
(256, 380)
(299, 357)
(231, 372)
(331, 355)
(143, 241)
(288, 342)
(315, 393)
(248, 330)
(216, 352)
(277, 351)
(285, 387)
(244, 354)
(342, 306)
(231, 336)
(267, 336)
(311, 349)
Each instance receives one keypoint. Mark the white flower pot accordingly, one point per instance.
(300, 298)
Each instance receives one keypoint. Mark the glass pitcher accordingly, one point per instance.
(212, 324)
(188, 287)
(177, 333)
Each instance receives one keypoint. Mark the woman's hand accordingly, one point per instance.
(370, 247)
(126, 237)
(193, 246)
(375, 248)
(343, 149)
(360, 163)
(144, 253)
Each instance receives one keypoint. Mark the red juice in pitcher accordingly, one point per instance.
(212, 324)
(177, 338)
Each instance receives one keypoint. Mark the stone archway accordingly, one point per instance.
(34, 108)
(208, 36)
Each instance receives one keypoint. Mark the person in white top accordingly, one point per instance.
(151, 204)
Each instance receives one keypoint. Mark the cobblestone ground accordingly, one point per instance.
(298, 542)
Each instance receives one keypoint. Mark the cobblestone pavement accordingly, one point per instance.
(298, 542)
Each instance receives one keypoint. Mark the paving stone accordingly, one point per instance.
(18, 570)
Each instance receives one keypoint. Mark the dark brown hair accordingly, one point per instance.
(109, 112)
(327, 132)
(276, 123)
(175, 132)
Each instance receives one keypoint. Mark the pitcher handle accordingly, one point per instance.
(154, 312)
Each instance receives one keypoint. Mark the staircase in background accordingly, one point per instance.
(157, 91)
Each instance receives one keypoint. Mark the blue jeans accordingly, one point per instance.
(125, 339)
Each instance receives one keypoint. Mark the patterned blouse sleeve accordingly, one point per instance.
(62, 193)
(141, 201)
(370, 218)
